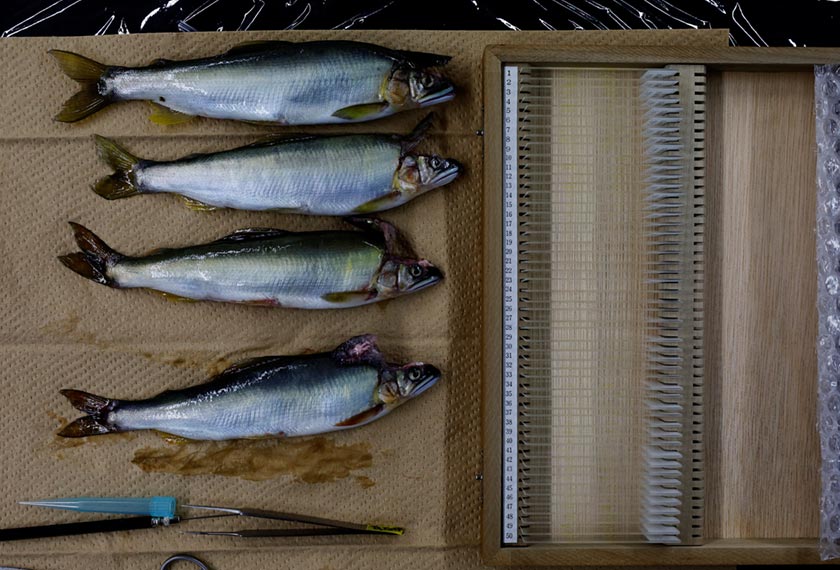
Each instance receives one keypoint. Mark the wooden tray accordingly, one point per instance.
(762, 457)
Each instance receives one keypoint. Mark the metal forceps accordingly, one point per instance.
(327, 526)
(166, 516)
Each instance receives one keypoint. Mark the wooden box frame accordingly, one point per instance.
(734, 371)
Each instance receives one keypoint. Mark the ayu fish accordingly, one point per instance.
(269, 267)
(277, 82)
(279, 396)
(319, 175)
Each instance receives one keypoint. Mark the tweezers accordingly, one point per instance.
(328, 526)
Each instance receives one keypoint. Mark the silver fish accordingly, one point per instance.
(276, 82)
(306, 270)
(329, 176)
(281, 396)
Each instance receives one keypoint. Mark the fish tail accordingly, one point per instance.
(121, 183)
(87, 73)
(95, 258)
(96, 422)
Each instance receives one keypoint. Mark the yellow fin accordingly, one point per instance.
(172, 297)
(361, 112)
(377, 204)
(346, 297)
(165, 116)
(363, 417)
(173, 439)
(197, 206)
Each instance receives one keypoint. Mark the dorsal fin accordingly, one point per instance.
(275, 139)
(249, 363)
(160, 62)
(395, 243)
(416, 136)
(359, 350)
(412, 59)
(246, 234)
(256, 47)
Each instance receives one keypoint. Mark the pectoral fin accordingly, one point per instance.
(363, 418)
(377, 204)
(165, 116)
(347, 297)
(361, 112)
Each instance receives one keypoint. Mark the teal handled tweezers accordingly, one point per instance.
(161, 511)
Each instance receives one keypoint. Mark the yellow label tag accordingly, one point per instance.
(386, 529)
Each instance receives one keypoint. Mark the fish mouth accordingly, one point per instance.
(433, 276)
(445, 94)
(431, 376)
(447, 175)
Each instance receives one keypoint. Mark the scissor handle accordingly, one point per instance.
(183, 558)
(72, 529)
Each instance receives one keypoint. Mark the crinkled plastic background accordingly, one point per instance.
(827, 106)
(752, 22)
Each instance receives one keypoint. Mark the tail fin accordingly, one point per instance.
(121, 183)
(88, 73)
(94, 259)
(96, 423)
(88, 403)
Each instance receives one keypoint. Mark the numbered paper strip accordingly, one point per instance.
(510, 318)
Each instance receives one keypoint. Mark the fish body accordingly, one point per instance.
(307, 270)
(281, 396)
(332, 176)
(271, 396)
(325, 176)
(275, 82)
(288, 269)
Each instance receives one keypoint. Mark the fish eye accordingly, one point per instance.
(415, 270)
(427, 81)
(435, 162)
(414, 374)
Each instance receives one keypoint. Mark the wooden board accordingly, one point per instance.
(762, 476)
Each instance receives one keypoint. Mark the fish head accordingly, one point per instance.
(413, 87)
(419, 174)
(429, 87)
(399, 276)
(398, 384)
(434, 171)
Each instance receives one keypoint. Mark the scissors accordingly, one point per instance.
(182, 558)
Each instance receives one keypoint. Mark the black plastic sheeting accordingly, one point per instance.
(751, 22)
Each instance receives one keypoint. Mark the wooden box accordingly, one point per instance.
(762, 455)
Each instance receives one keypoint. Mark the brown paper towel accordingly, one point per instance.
(61, 331)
